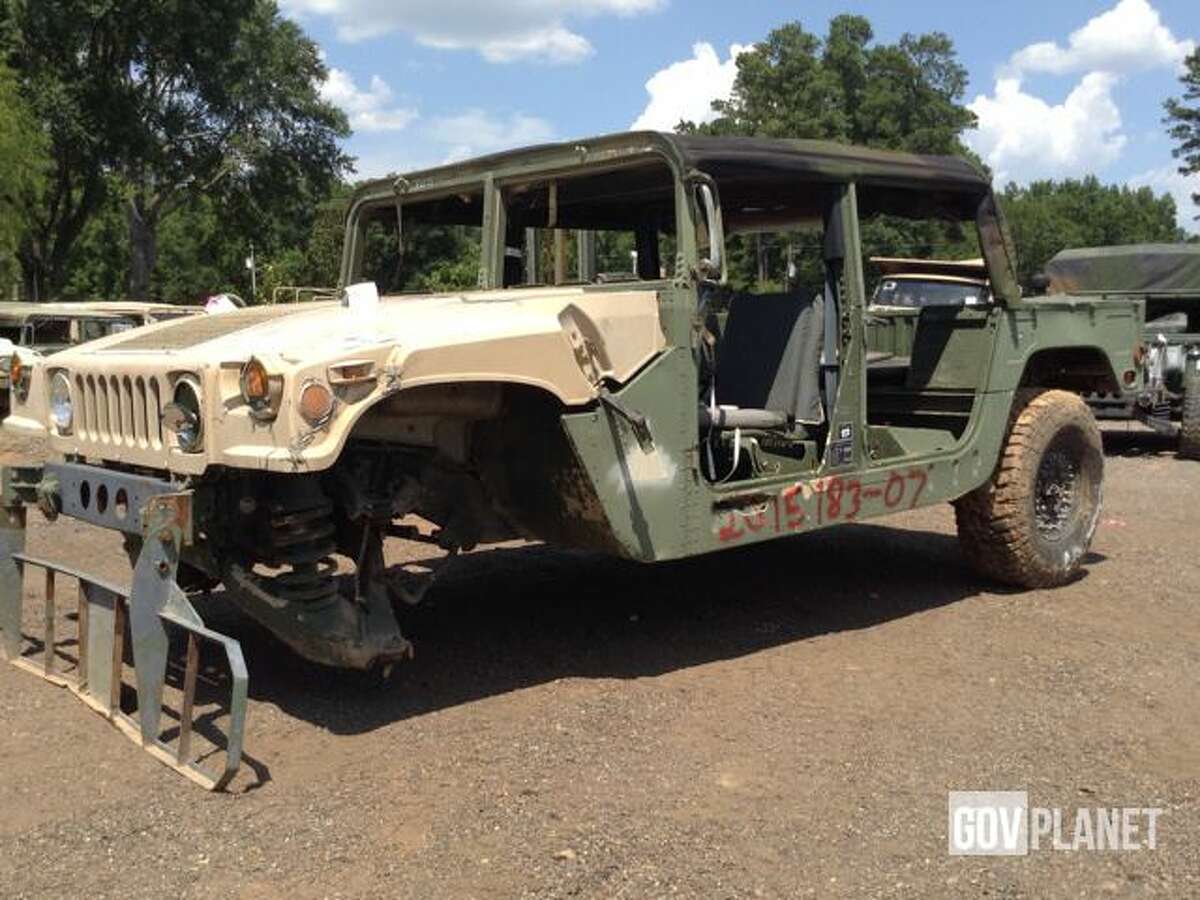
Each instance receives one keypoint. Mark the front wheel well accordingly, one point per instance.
(1080, 369)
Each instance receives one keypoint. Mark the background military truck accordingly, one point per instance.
(658, 414)
(1166, 278)
(917, 283)
(904, 288)
(32, 329)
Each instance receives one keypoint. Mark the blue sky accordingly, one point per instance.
(1062, 88)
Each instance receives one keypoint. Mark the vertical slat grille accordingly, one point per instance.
(155, 407)
(85, 424)
(128, 430)
(114, 409)
(139, 412)
(121, 411)
(101, 406)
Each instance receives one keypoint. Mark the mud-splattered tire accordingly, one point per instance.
(1032, 524)
(1189, 428)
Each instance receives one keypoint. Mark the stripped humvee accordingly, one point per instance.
(558, 343)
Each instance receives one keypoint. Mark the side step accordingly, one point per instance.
(149, 611)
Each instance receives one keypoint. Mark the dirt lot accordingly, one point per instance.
(781, 721)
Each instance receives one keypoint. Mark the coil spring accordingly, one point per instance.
(304, 540)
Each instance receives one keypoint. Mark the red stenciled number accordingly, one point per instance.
(855, 490)
(834, 498)
(729, 530)
(793, 509)
(757, 521)
(894, 492)
(918, 477)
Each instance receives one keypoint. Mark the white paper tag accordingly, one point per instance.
(361, 297)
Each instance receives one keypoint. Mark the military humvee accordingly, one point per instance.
(585, 372)
(1166, 278)
(144, 311)
(917, 283)
(33, 329)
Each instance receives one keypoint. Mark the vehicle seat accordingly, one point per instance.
(768, 363)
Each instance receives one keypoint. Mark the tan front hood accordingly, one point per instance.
(566, 341)
(561, 339)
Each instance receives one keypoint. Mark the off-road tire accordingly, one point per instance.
(1032, 524)
(1189, 423)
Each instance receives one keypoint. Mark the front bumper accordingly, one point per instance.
(358, 633)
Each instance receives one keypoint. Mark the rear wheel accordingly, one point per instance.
(1189, 429)
(1032, 524)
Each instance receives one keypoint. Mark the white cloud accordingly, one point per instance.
(499, 31)
(370, 109)
(1023, 137)
(437, 140)
(476, 132)
(686, 89)
(1129, 37)
(1170, 180)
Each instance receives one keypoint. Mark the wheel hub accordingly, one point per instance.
(1055, 493)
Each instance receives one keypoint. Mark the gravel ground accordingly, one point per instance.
(780, 721)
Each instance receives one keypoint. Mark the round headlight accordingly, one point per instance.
(61, 413)
(182, 416)
(316, 403)
(255, 383)
(16, 373)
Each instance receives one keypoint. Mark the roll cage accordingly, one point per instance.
(704, 172)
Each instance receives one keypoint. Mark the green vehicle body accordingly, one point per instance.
(1165, 280)
(631, 451)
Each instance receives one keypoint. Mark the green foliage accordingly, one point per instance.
(202, 252)
(22, 164)
(844, 87)
(1049, 216)
(436, 257)
(1183, 117)
(180, 99)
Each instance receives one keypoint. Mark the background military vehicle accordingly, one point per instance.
(146, 312)
(658, 414)
(1166, 278)
(43, 328)
(917, 283)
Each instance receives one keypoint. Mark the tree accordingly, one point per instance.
(179, 99)
(1049, 216)
(51, 72)
(1183, 117)
(22, 160)
(843, 87)
(902, 96)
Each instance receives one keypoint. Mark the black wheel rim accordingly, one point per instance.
(1056, 491)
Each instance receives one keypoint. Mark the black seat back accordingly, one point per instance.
(769, 355)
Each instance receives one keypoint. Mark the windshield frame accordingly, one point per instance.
(359, 215)
(447, 182)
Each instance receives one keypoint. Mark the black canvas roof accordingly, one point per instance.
(824, 159)
(724, 157)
